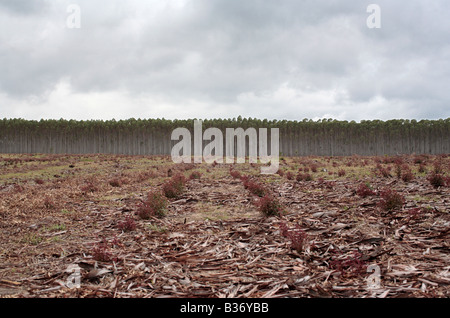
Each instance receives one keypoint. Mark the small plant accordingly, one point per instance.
(88, 187)
(407, 175)
(404, 172)
(341, 172)
(420, 159)
(127, 225)
(256, 188)
(49, 203)
(39, 181)
(155, 205)
(349, 265)
(245, 180)
(398, 160)
(303, 177)
(100, 251)
(415, 213)
(157, 228)
(289, 175)
(328, 184)
(364, 190)
(391, 200)
(116, 182)
(144, 175)
(422, 168)
(296, 236)
(235, 174)
(437, 167)
(195, 175)
(436, 179)
(174, 187)
(382, 171)
(398, 170)
(269, 205)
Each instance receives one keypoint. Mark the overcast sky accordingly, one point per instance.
(287, 59)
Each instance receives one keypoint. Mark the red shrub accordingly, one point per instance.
(329, 184)
(304, 177)
(253, 186)
(269, 205)
(382, 171)
(364, 190)
(245, 180)
(341, 172)
(49, 203)
(174, 187)
(100, 251)
(296, 236)
(391, 200)
(420, 159)
(415, 213)
(127, 224)
(398, 160)
(407, 175)
(116, 182)
(89, 187)
(154, 205)
(437, 167)
(289, 175)
(256, 188)
(39, 181)
(235, 174)
(195, 175)
(436, 179)
(349, 265)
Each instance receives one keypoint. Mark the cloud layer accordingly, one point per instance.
(221, 58)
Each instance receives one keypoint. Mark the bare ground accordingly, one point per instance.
(213, 241)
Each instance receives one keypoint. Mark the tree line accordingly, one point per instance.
(297, 138)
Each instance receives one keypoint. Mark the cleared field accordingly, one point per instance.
(342, 223)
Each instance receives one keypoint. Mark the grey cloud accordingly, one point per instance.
(24, 7)
(215, 51)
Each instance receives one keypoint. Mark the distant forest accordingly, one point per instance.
(297, 138)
